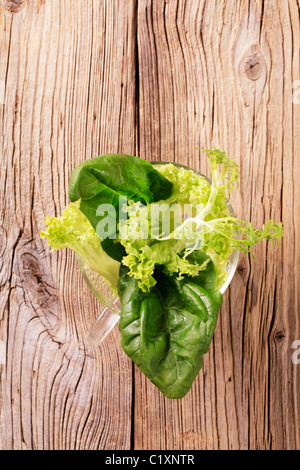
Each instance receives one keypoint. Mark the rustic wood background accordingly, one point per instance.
(79, 78)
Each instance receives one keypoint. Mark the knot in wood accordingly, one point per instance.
(279, 336)
(253, 68)
(13, 5)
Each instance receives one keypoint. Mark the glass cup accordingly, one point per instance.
(110, 314)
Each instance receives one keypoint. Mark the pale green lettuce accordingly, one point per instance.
(73, 230)
(142, 261)
(210, 227)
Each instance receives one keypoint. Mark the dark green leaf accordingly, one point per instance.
(107, 180)
(167, 330)
(207, 278)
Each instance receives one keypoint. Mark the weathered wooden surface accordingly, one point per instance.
(157, 79)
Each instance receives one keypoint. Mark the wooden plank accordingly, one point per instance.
(68, 69)
(209, 73)
(221, 73)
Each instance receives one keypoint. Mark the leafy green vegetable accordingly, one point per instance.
(166, 331)
(171, 274)
(218, 229)
(210, 226)
(73, 230)
(140, 233)
(142, 262)
(110, 180)
(206, 277)
(218, 232)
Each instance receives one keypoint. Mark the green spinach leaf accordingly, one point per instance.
(109, 179)
(166, 331)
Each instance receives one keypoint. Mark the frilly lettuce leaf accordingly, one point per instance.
(210, 227)
(73, 230)
(188, 186)
(141, 262)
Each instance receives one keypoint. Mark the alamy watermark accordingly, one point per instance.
(296, 354)
(155, 221)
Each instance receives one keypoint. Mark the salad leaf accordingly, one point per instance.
(108, 182)
(218, 229)
(206, 277)
(113, 173)
(210, 227)
(142, 262)
(166, 331)
(73, 230)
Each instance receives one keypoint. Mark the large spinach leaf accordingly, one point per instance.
(167, 330)
(107, 180)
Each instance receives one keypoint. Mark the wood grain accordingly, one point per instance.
(221, 74)
(68, 67)
(155, 78)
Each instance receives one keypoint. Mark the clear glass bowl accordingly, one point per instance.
(110, 314)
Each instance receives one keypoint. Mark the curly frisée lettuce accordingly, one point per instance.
(142, 262)
(219, 230)
(73, 230)
(209, 226)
